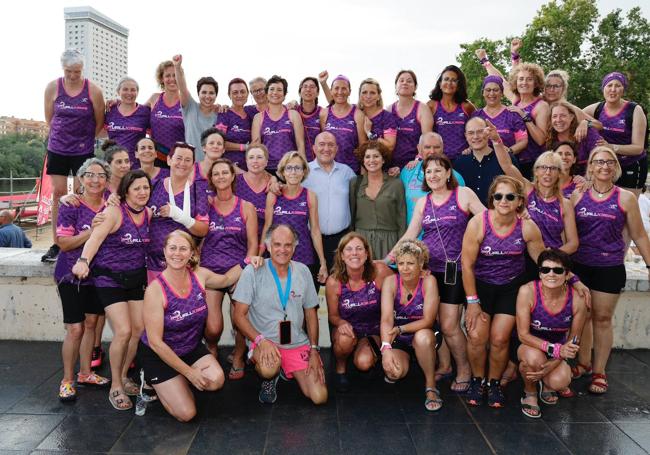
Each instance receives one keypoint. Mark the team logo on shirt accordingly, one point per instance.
(295, 295)
(128, 239)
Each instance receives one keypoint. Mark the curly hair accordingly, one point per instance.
(415, 248)
(532, 68)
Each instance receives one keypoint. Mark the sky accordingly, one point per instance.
(248, 38)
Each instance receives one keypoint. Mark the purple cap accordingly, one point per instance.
(495, 79)
(614, 76)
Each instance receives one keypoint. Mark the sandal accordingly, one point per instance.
(579, 370)
(566, 393)
(119, 400)
(130, 387)
(432, 404)
(235, 373)
(92, 379)
(598, 384)
(548, 397)
(444, 376)
(462, 386)
(530, 410)
(67, 391)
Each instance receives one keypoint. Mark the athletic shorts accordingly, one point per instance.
(450, 293)
(77, 301)
(608, 279)
(499, 298)
(109, 296)
(407, 346)
(634, 175)
(294, 359)
(156, 371)
(58, 164)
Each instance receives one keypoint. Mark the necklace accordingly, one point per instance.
(409, 294)
(134, 211)
(601, 194)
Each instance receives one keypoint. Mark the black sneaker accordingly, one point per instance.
(51, 254)
(341, 382)
(496, 399)
(268, 393)
(476, 392)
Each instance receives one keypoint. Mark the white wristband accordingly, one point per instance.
(179, 216)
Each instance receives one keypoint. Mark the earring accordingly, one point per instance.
(447, 179)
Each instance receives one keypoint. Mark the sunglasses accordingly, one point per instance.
(546, 270)
(509, 197)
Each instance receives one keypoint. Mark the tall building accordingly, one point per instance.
(102, 41)
(10, 125)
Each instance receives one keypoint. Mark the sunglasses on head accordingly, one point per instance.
(509, 197)
(546, 270)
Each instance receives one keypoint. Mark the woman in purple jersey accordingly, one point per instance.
(353, 293)
(235, 123)
(145, 153)
(379, 124)
(80, 303)
(230, 241)
(213, 144)
(252, 185)
(550, 317)
(309, 112)
(409, 306)
(443, 215)
(118, 246)
(117, 156)
(568, 179)
(563, 128)
(602, 213)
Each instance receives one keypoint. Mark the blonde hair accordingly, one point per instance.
(288, 157)
(415, 248)
(370, 80)
(532, 68)
(193, 263)
(560, 74)
(516, 185)
(160, 70)
(556, 161)
(603, 149)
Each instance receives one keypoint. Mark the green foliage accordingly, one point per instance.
(21, 153)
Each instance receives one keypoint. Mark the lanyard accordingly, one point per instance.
(283, 295)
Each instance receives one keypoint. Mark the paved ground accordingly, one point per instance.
(373, 418)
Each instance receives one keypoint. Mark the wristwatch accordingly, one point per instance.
(83, 259)
(315, 346)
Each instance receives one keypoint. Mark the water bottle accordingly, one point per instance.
(142, 399)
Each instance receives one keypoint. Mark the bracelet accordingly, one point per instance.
(545, 346)
(241, 147)
(527, 118)
(258, 339)
(385, 346)
(400, 329)
(514, 55)
(471, 297)
(556, 350)
(484, 60)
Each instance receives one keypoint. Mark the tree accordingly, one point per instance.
(21, 154)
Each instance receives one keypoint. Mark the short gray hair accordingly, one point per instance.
(275, 227)
(423, 136)
(127, 79)
(71, 57)
(257, 79)
(89, 162)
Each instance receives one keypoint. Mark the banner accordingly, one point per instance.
(44, 196)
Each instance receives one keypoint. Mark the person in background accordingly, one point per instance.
(11, 236)
(258, 90)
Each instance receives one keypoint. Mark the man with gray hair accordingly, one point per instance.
(11, 236)
(271, 304)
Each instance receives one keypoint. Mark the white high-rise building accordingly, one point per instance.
(102, 41)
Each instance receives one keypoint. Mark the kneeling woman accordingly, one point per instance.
(175, 310)
(409, 305)
(550, 317)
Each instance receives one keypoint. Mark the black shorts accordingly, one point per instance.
(608, 279)
(499, 298)
(109, 296)
(450, 293)
(58, 164)
(77, 301)
(634, 175)
(408, 347)
(156, 371)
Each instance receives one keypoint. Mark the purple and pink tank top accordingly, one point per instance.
(278, 137)
(409, 131)
(444, 227)
(127, 130)
(533, 150)
(616, 131)
(600, 230)
(548, 216)
(344, 130)
(384, 124)
(295, 212)
(166, 123)
(509, 125)
(361, 308)
(184, 318)
(251, 110)
(311, 125)
(413, 310)
(451, 126)
(226, 244)
(124, 249)
(568, 189)
(72, 129)
(551, 327)
(236, 129)
(585, 146)
(256, 196)
(501, 257)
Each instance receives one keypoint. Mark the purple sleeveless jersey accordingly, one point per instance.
(201, 181)
(295, 212)
(551, 327)
(311, 125)
(344, 130)
(384, 124)
(451, 126)
(236, 129)
(278, 137)
(509, 125)
(127, 130)
(163, 173)
(251, 110)
(568, 189)
(409, 131)
(533, 150)
(600, 230)
(72, 221)
(162, 226)
(257, 197)
(547, 215)
(72, 129)
(166, 123)
(225, 245)
(412, 311)
(615, 131)
(361, 309)
(184, 318)
(587, 145)
(452, 221)
(501, 258)
(124, 249)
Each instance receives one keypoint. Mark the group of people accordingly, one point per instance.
(489, 238)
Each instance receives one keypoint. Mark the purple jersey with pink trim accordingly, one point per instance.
(295, 212)
(251, 110)
(409, 131)
(616, 131)
(124, 249)
(236, 129)
(533, 150)
(501, 258)
(166, 122)
(600, 230)
(587, 145)
(278, 137)
(551, 327)
(127, 130)
(163, 173)
(384, 124)
(72, 221)
(225, 245)
(344, 130)
(72, 128)
(547, 215)
(444, 227)
(451, 126)
(412, 311)
(509, 125)
(255, 197)
(201, 181)
(311, 125)
(361, 308)
(184, 317)
(162, 226)
(568, 189)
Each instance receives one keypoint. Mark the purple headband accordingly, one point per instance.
(341, 77)
(496, 79)
(614, 76)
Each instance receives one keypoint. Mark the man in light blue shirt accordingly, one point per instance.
(11, 236)
(331, 183)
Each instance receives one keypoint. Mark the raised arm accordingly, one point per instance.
(183, 92)
(322, 78)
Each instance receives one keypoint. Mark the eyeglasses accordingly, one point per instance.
(257, 91)
(451, 80)
(603, 163)
(554, 86)
(557, 270)
(295, 169)
(475, 132)
(92, 176)
(509, 197)
(547, 168)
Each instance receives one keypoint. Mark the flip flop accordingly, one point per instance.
(235, 373)
(530, 410)
(119, 400)
(464, 386)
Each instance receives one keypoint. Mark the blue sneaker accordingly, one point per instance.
(496, 398)
(268, 393)
(476, 392)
